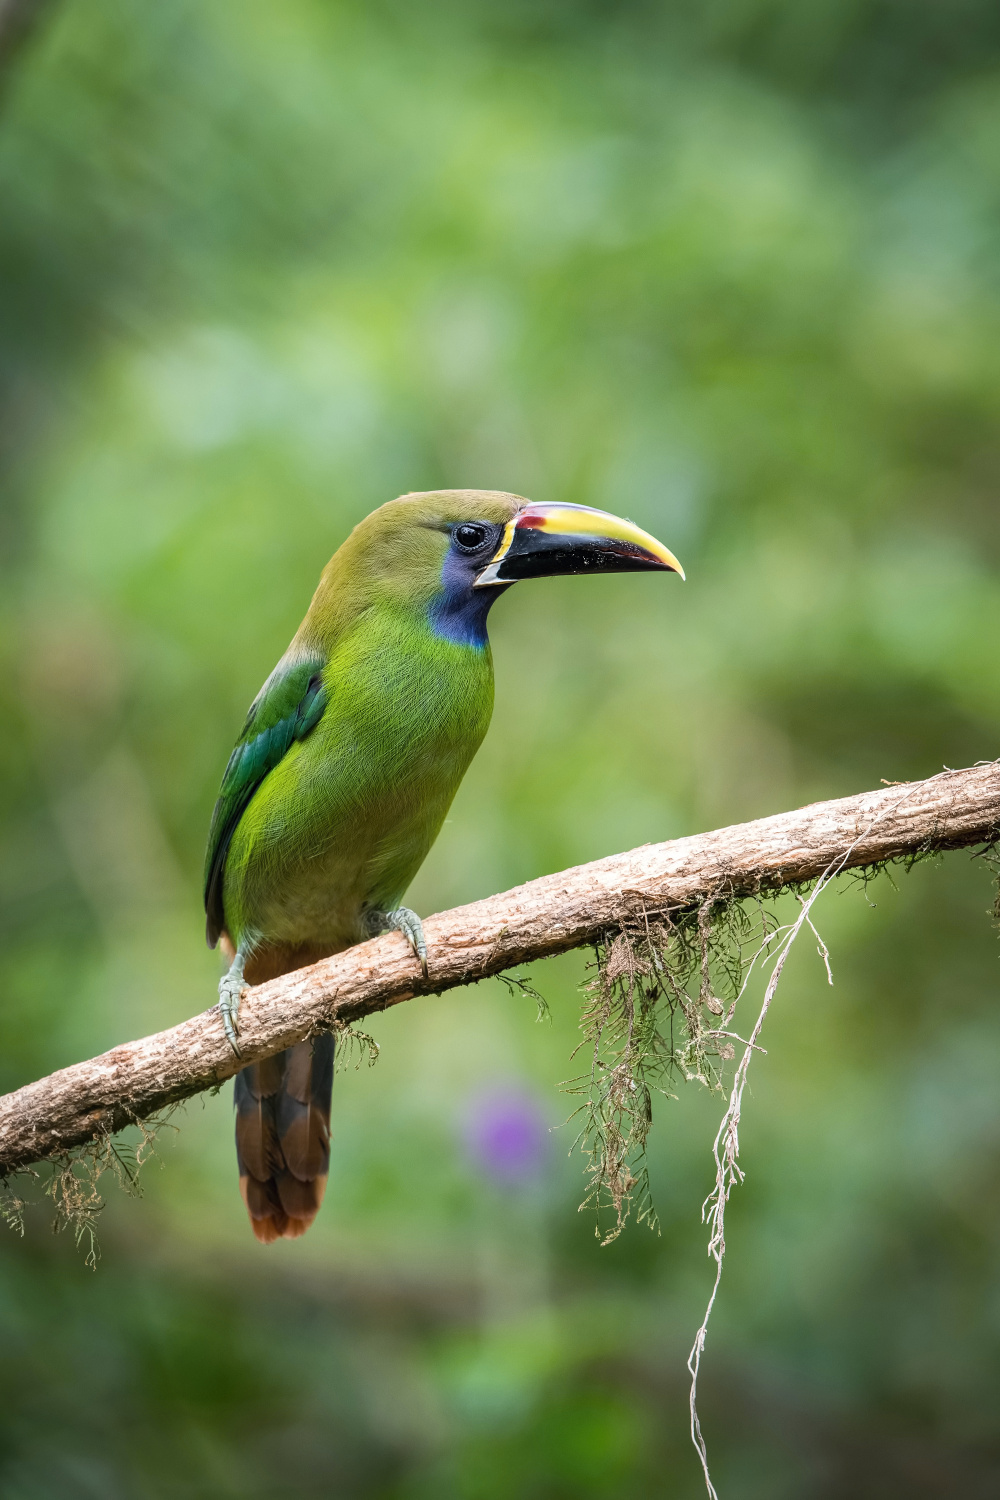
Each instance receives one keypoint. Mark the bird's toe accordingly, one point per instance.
(229, 1011)
(409, 924)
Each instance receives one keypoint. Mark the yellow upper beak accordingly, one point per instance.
(543, 541)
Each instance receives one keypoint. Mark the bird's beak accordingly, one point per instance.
(545, 541)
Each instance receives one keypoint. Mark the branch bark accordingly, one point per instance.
(571, 909)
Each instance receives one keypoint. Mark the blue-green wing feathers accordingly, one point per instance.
(287, 707)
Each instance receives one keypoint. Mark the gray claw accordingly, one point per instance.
(231, 988)
(403, 920)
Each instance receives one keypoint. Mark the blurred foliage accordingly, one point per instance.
(728, 268)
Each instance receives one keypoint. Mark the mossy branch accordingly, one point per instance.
(581, 907)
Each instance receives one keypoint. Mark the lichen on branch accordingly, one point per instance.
(659, 1009)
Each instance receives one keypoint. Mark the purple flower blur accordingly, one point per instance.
(506, 1135)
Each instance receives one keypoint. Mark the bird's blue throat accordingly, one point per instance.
(458, 613)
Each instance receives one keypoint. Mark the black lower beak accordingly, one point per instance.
(542, 554)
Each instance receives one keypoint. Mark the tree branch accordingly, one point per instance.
(569, 910)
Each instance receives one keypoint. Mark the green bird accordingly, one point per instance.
(349, 759)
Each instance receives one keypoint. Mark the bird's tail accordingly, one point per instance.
(283, 1137)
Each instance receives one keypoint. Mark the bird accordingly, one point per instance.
(345, 768)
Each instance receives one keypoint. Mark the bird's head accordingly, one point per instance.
(452, 552)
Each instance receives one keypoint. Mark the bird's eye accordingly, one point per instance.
(470, 536)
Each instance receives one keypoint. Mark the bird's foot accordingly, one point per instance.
(403, 920)
(231, 987)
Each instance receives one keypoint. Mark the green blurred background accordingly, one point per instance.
(730, 268)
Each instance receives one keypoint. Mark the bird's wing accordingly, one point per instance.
(287, 707)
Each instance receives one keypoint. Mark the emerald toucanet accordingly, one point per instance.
(348, 761)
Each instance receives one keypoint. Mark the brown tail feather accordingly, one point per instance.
(283, 1137)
